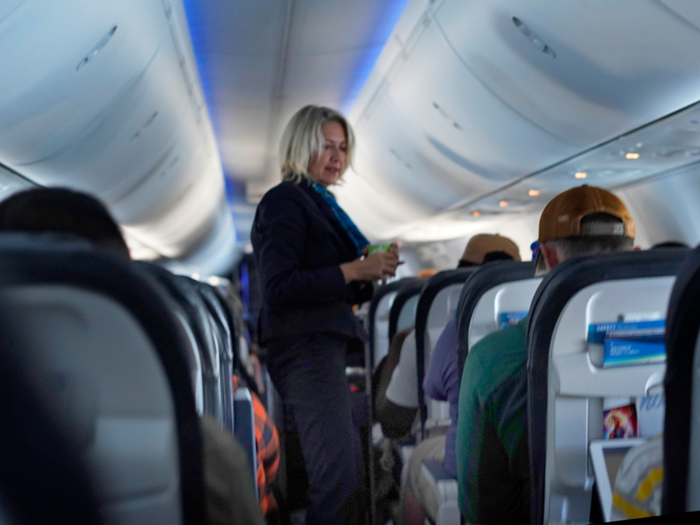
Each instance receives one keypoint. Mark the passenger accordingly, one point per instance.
(492, 448)
(308, 252)
(441, 382)
(229, 493)
(426, 273)
(396, 419)
(267, 446)
(63, 211)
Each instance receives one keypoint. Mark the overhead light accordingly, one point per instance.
(214, 280)
(476, 214)
(632, 156)
(503, 204)
(581, 175)
(195, 276)
(533, 193)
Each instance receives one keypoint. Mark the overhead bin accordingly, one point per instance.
(104, 98)
(463, 128)
(68, 63)
(585, 73)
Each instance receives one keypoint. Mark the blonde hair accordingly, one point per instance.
(303, 138)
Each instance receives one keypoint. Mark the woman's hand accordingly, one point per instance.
(374, 267)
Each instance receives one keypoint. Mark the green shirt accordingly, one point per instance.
(492, 449)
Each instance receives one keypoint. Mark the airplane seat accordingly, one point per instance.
(378, 321)
(401, 315)
(222, 331)
(437, 303)
(107, 354)
(244, 426)
(43, 478)
(489, 290)
(494, 294)
(403, 309)
(185, 293)
(681, 489)
(569, 375)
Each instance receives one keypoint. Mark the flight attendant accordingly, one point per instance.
(312, 271)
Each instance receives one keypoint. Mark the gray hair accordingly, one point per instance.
(303, 138)
(591, 243)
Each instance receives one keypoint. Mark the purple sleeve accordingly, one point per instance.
(442, 362)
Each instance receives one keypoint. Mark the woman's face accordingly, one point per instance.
(326, 169)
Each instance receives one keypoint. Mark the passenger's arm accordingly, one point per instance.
(396, 420)
(435, 380)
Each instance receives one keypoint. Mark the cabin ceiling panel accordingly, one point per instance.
(264, 60)
(585, 74)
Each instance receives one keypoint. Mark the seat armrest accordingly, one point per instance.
(444, 486)
(244, 428)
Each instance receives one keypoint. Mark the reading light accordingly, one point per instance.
(632, 156)
(195, 276)
(503, 204)
(476, 214)
(533, 193)
(581, 175)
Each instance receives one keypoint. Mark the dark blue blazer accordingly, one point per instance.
(299, 246)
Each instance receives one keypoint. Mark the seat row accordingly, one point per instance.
(572, 379)
(126, 356)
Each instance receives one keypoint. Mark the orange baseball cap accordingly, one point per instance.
(561, 218)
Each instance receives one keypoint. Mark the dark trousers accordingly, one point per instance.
(309, 373)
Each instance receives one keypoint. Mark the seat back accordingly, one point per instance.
(437, 303)
(185, 293)
(378, 321)
(403, 310)
(104, 348)
(681, 490)
(221, 329)
(494, 291)
(568, 379)
(43, 478)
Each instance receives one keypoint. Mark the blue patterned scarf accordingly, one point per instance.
(345, 221)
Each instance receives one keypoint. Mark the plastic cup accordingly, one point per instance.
(378, 248)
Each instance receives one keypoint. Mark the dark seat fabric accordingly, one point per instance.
(409, 288)
(432, 288)
(682, 330)
(43, 478)
(40, 260)
(481, 281)
(222, 330)
(557, 288)
(185, 293)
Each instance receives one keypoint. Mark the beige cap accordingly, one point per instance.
(484, 243)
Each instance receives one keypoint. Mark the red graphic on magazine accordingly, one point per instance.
(620, 422)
